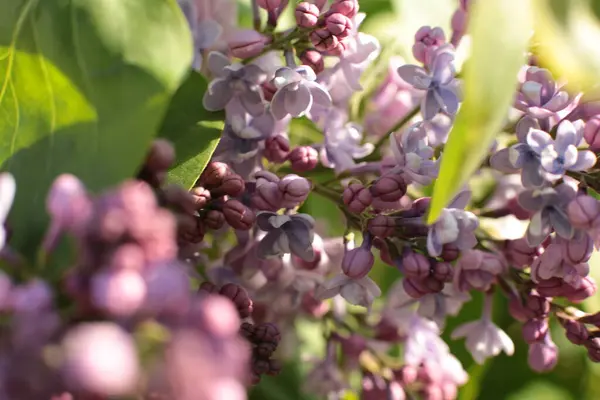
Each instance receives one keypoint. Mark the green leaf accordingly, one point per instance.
(194, 131)
(567, 36)
(83, 88)
(500, 31)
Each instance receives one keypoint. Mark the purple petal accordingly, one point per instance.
(300, 239)
(217, 96)
(448, 99)
(501, 162)
(566, 136)
(206, 34)
(524, 126)
(530, 200)
(558, 102)
(430, 105)
(538, 230)
(278, 104)
(461, 200)
(538, 140)
(434, 247)
(285, 76)
(297, 102)
(532, 92)
(262, 220)
(531, 174)
(443, 71)
(320, 95)
(266, 248)
(560, 223)
(217, 62)
(415, 76)
(585, 160)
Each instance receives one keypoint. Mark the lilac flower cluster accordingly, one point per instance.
(184, 294)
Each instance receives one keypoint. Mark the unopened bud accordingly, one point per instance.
(577, 250)
(583, 212)
(575, 331)
(427, 40)
(201, 197)
(295, 189)
(357, 263)
(323, 40)
(450, 252)
(443, 271)
(277, 149)
(390, 187)
(535, 330)
(214, 219)
(68, 202)
(161, 156)
(415, 265)
(415, 288)
(357, 198)
(238, 216)
(304, 158)
(313, 59)
(231, 185)
(543, 355)
(239, 297)
(213, 174)
(591, 133)
(349, 8)
(267, 332)
(381, 226)
(586, 289)
(247, 44)
(339, 25)
(307, 15)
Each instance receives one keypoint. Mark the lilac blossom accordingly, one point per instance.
(552, 264)
(549, 206)
(297, 92)
(234, 83)
(286, 234)
(521, 156)
(414, 156)
(360, 292)
(539, 96)
(205, 32)
(361, 51)
(484, 339)
(243, 137)
(557, 156)
(455, 226)
(441, 88)
(343, 143)
(8, 188)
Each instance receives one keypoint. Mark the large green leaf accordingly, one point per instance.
(500, 31)
(194, 132)
(567, 37)
(83, 88)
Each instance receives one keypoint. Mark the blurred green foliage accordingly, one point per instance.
(394, 23)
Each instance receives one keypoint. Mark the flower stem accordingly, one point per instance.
(256, 15)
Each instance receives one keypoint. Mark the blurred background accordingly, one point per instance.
(394, 23)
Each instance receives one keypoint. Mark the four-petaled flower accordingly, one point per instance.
(539, 96)
(557, 156)
(234, 82)
(297, 92)
(359, 292)
(286, 234)
(441, 88)
(484, 339)
(414, 156)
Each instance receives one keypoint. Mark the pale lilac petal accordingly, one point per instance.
(217, 63)
(430, 105)
(278, 104)
(501, 161)
(320, 95)
(566, 136)
(217, 96)
(285, 76)
(560, 223)
(448, 99)
(538, 140)
(297, 102)
(523, 127)
(532, 91)
(263, 220)
(207, 33)
(558, 102)
(463, 330)
(443, 71)
(538, 230)
(461, 200)
(415, 76)
(585, 160)
(531, 175)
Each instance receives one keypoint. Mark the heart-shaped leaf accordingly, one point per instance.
(84, 86)
(500, 31)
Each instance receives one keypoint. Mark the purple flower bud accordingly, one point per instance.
(214, 219)
(357, 263)
(267, 197)
(406, 375)
(304, 158)
(415, 265)
(517, 310)
(427, 40)
(583, 212)
(238, 215)
(591, 133)
(450, 252)
(357, 198)
(586, 289)
(389, 187)
(119, 293)
(160, 157)
(34, 296)
(240, 298)
(381, 226)
(68, 202)
(349, 8)
(459, 26)
(535, 330)
(294, 189)
(307, 15)
(593, 348)
(443, 271)
(90, 350)
(519, 254)
(277, 149)
(552, 287)
(593, 319)
(247, 44)
(375, 387)
(200, 197)
(213, 174)
(231, 185)
(575, 331)
(216, 315)
(537, 306)
(577, 250)
(323, 40)
(415, 288)
(313, 59)
(543, 355)
(339, 25)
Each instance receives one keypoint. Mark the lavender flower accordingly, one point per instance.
(360, 292)
(243, 137)
(441, 88)
(549, 205)
(521, 156)
(557, 156)
(205, 33)
(361, 51)
(8, 187)
(484, 338)
(455, 226)
(343, 142)
(539, 95)
(413, 156)
(286, 234)
(234, 82)
(297, 92)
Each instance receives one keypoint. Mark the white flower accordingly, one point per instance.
(8, 187)
(484, 339)
(359, 292)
